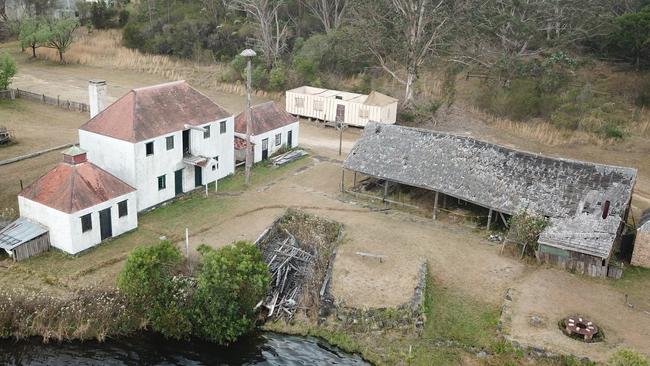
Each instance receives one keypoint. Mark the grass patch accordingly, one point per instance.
(634, 283)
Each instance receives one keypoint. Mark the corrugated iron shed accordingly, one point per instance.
(19, 232)
(266, 117)
(153, 111)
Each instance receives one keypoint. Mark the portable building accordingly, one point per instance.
(334, 105)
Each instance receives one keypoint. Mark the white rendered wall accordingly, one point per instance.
(113, 155)
(257, 140)
(65, 229)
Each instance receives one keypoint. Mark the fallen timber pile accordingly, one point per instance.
(298, 249)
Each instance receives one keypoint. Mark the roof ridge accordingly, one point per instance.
(169, 83)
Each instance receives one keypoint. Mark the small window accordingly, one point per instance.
(162, 183)
(319, 105)
(278, 139)
(206, 132)
(300, 102)
(122, 209)
(86, 223)
(170, 142)
(222, 127)
(216, 158)
(149, 147)
(363, 113)
(339, 97)
(214, 167)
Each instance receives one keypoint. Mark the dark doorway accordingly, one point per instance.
(289, 139)
(265, 149)
(198, 176)
(105, 224)
(178, 182)
(340, 113)
(186, 142)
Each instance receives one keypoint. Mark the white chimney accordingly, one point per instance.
(97, 96)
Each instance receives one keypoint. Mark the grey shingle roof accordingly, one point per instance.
(584, 233)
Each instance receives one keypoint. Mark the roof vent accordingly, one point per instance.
(74, 155)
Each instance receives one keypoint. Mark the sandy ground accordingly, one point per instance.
(556, 294)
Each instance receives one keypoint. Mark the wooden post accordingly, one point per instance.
(435, 206)
(385, 190)
(489, 219)
(206, 190)
(444, 201)
(21, 185)
(354, 179)
(216, 185)
(187, 243)
(342, 180)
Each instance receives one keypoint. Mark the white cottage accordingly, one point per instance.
(79, 203)
(271, 129)
(351, 108)
(163, 140)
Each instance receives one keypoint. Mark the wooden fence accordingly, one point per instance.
(42, 98)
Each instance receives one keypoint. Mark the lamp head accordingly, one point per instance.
(248, 53)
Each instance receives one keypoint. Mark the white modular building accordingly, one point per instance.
(350, 108)
(163, 140)
(79, 203)
(271, 129)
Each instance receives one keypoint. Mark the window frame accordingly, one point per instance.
(86, 226)
(146, 148)
(122, 208)
(162, 182)
(206, 132)
(278, 139)
(364, 113)
(319, 105)
(170, 140)
(300, 102)
(223, 127)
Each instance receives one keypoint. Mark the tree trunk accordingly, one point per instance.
(33, 51)
(61, 57)
(408, 93)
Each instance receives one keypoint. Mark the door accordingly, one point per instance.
(198, 176)
(105, 224)
(289, 139)
(186, 142)
(178, 182)
(340, 113)
(265, 149)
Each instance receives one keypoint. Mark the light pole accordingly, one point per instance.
(248, 53)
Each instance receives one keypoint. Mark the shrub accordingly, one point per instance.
(7, 70)
(643, 95)
(278, 77)
(627, 357)
(525, 228)
(232, 280)
(612, 131)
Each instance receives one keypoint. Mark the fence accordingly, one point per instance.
(61, 103)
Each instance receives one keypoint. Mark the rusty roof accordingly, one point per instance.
(70, 188)
(266, 117)
(149, 112)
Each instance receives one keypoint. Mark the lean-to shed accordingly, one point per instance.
(24, 238)
(354, 109)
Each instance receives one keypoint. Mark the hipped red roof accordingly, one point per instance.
(266, 117)
(70, 188)
(153, 111)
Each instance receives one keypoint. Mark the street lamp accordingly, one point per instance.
(248, 53)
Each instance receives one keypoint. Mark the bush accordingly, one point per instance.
(643, 95)
(278, 77)
(233, 279)
(612, 131)
(525, 228)
(7, 70)
(520, 101)
(626, 357)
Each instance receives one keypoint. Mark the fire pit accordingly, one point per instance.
(579, 327)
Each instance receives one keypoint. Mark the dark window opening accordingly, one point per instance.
(122, 209)
(170, 142)
(86, 223)
(149, 147)
(339, 97)
(605, 209)
(162, 184)
(214, 167)
(278, 139)
(222, 127)
(186, 142)
(603, 263)
(206, 132)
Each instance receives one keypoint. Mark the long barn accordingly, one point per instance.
(588, 203)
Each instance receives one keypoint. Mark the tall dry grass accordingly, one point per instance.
(103, 48)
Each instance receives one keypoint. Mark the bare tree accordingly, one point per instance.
(403, 34)
(272, 32)
(330, 12)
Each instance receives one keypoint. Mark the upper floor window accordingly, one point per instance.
(170, 142)
(122, 209)
(206, 132)
(222, 127)
(162, 182)
(278, 139)
(149, 148)
(319, 105)
(86, 223)
(300, 102)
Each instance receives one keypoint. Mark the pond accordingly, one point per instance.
(150, 349)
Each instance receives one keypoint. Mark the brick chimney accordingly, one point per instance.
(96, 96)
(74, 155)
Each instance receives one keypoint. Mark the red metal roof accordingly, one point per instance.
(266, 117)
(70, 188)
(153, 111)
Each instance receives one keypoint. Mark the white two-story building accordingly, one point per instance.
(163, 140)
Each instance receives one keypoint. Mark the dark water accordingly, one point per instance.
(149, 349)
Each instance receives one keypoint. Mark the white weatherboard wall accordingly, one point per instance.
(356, 112)
(257, 140)
(65, 229)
